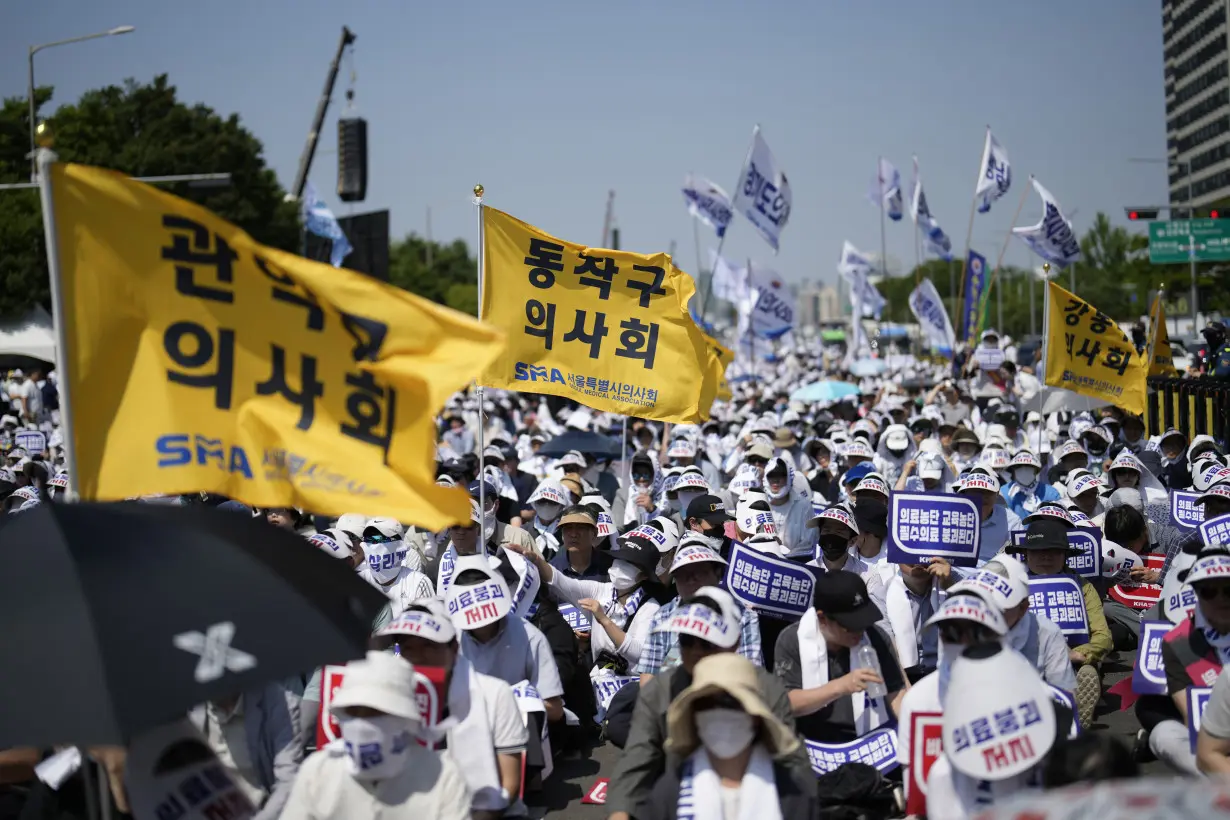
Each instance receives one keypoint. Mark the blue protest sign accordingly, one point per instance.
(771, 586)
(933, 525)
(1086, 539)
(606, 687)
(1149, 675)
(32, 441)
(878, 749)
(576, 618)
(1184, 510)
(1069, 700)
(1059, 599)
(1216, 530)
(1197, 701)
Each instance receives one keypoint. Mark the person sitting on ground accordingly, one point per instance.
(703, 624)
(738, 758)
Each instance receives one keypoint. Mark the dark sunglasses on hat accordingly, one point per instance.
(379, 538)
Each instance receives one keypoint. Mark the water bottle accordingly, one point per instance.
(866, 655)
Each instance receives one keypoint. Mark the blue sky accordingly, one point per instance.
(551, 103)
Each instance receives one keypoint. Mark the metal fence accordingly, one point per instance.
(1191, 406)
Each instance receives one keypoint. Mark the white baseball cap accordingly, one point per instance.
(721, 627)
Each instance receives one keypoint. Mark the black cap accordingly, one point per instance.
(871, 516)
(709, 508)
(842, 596)
(639, 552)
(1046, 534)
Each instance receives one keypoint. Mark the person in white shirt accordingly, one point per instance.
(31, 397)
(377, 770)
(385, 567)
(481, 729)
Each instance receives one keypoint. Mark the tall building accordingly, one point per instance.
(1196, 55)
(817, 305)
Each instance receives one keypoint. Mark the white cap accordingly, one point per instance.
(390, 529)
(471, 607)
(930, 466)
(1004, 576)
(970, 607)
(721, 628)
(897, 439)
(380, 681)
(691, 552)
(434, 624)
(335, 542)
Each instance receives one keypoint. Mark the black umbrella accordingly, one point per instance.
(120, 617)
(583, 441)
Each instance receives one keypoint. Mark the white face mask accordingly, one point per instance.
(623, 575)
(725, 732)
(377, 747)
(382, 562)
(779, 493)
(547, 511)
(488, 525)
(1025, 476)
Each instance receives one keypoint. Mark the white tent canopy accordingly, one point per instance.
(31, 336)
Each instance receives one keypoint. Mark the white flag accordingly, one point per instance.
(935, 240)
(928, 308)
(770, 309)
(994, 174)
(886, 190)
(708, 203)
(764, 193)
(858, 336)
(855, 267)
(729, 282)
(1052, 238)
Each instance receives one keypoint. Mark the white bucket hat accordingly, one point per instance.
(380, 681)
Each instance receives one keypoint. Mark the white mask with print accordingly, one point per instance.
(623, 575)
(383, 562)
(377, 748)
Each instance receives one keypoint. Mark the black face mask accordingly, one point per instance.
(834, 546)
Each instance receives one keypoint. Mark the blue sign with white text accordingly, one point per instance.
(1197, 702)
(772, 586)
(1060, 600)
(577, 619)
(878, 749)
(1184, 510)
(933, 525)
(1216, 531)
(1149, 676)
(1086, 539)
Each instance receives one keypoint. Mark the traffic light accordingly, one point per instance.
(1141, 214)
(1214, 214)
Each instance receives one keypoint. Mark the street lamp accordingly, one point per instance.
(34, 50)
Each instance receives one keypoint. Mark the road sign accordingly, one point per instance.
(1171, 242)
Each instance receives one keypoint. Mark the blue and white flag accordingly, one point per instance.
(936, 242)
(994, 174)
(886, 190)
(855, 267)
(768, 311)
(853, 260)
(708, 203)
(764, 193)
(928, 308)
(319, 220)
(1052, 238)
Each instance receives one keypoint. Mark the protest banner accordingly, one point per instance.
(1140, 596)
(1059, 599)
(609, 329)
(1184, 510)
(772, 586)
(606, 687)
(1088, 353)
(926, 746)
(1197, 701)
(927, 525)
(199, 360)
(1149, 673)
(1216, 531)
(877, 749)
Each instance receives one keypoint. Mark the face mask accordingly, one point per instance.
(834, 547)
(897, 453)
(377, 747)
(547, 511)
(715, 538)
(488, 525)
(383, 563)
(778, 494)
(664, 565)
(1025, 476)
(623, 575)
(1096, 446)
(725, 732)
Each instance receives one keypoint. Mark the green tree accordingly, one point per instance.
(450, 279)
(140, 130)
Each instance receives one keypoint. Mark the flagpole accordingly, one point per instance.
(969, 237)
(481, 258)
(704, 305)
(751, 329)
(44, 157)
(883, 243)
(999, 260)
(700, 266)
(914, 214)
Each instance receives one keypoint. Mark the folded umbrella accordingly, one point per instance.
(824, 391)
(120, 617)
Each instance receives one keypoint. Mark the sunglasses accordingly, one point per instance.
(642, 476)
(1207, 592)
(379, 539)
(756, 461)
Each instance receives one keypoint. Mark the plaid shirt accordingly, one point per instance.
(662, 649)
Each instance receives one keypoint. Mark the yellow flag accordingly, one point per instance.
(1159, 342)
(720, 357)
(1087, 353)
(609, 329)
(199, 360)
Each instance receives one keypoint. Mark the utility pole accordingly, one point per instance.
(427, 244)
(609, 219)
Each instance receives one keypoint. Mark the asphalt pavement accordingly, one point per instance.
(576, 775)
